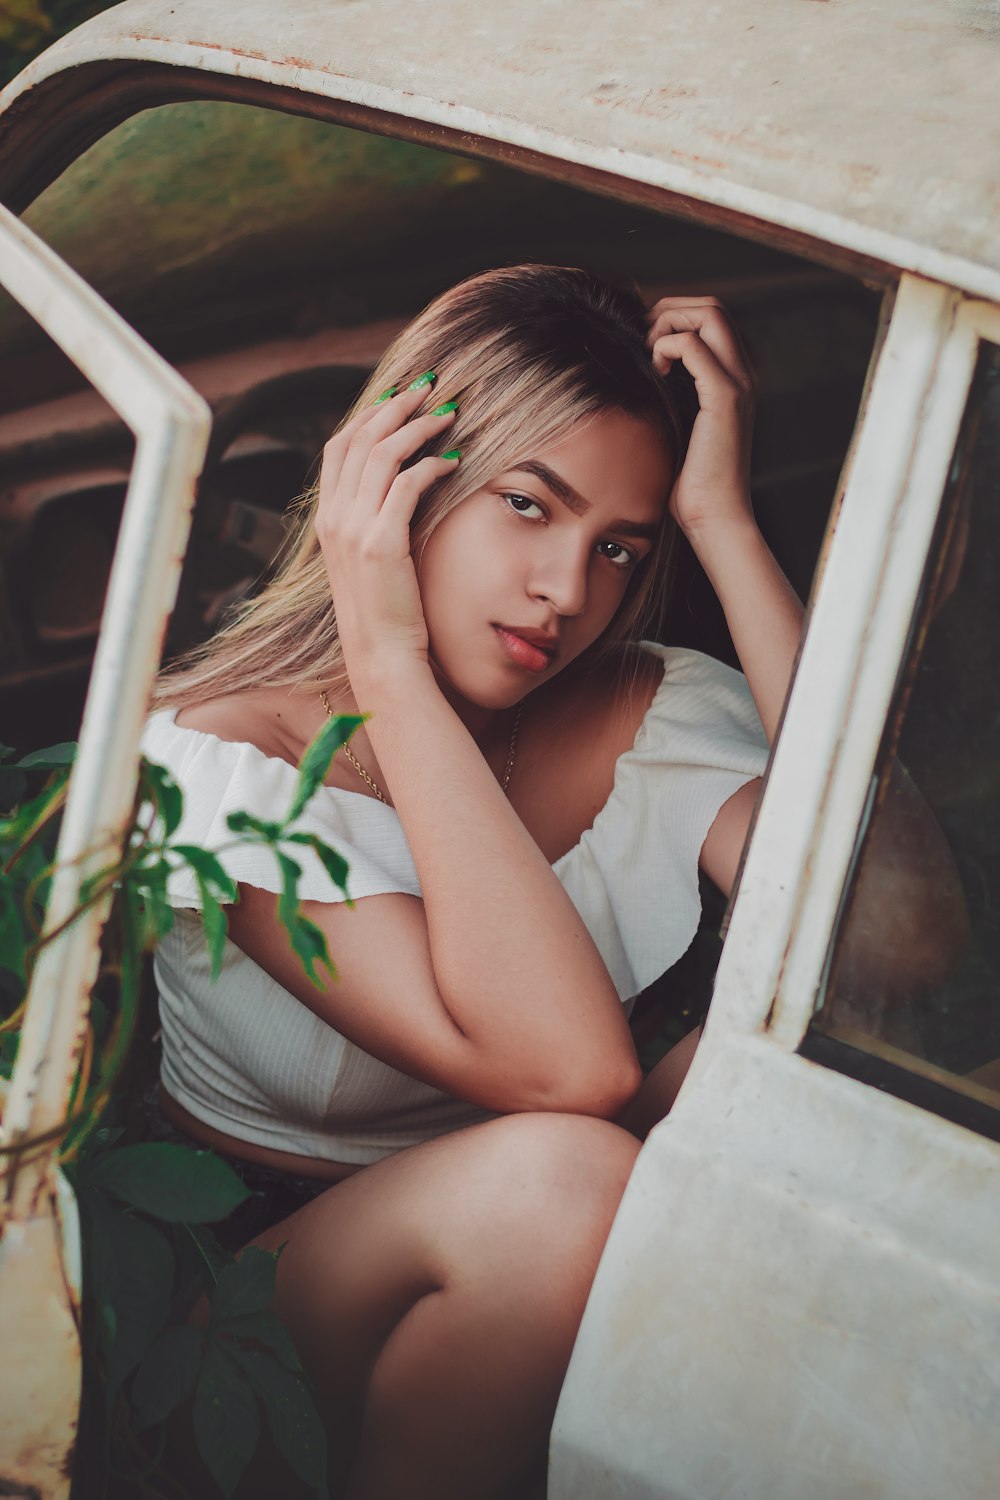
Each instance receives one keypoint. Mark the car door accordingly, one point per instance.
(801, 1292)
(39, 1235)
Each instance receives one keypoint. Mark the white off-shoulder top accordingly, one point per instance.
(243, 1055)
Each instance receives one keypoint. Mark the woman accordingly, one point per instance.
(524, 813)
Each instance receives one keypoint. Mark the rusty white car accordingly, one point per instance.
(214, 217)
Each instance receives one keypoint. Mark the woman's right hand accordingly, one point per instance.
(363, 516)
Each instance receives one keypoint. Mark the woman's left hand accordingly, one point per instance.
(714, 483)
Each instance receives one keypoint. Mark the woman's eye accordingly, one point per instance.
(616, 553)
(523, 505)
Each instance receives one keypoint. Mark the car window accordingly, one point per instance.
(925, 1001)
(271, 257)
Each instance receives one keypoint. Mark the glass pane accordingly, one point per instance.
(914, 974)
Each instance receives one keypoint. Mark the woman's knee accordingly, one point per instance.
(553, 1182)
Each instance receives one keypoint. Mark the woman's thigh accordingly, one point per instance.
(509, 1216)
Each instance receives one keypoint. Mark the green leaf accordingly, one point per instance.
(100, 1018)
(209, 868)
(226, 1419)
(165, 794)
(309, 943)
(13, 939)
(108, 1329)
(131, 1272)
(158, 918)
(265, 1327)
(213, 883)
(15, 828)
(155, 914)
(318, 754)
(9, 1043)
(291, 874)
(213, 1259)
(213, 921)
(13, 786)
(167, 1373)
(298, 1432)
(244, 822)
(247, 1286)
(52, 758)
(335, 864)
(171, 1182)
(307, 940)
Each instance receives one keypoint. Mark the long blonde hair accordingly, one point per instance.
(532, 352)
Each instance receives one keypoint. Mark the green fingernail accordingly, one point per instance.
(444, 409)
(453, 453)
(427, 378)
(385, 395)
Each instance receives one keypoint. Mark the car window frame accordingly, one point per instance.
(858, 628)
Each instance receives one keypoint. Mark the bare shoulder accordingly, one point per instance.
(615, 694)
(254, 718)
(600, 707)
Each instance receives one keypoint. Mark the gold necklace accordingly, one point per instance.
(508, 768)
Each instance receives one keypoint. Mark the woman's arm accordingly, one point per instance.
(711, 499)
(909, 922)
(516, 974)
(516, 969)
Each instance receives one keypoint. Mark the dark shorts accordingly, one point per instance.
(274, 1195)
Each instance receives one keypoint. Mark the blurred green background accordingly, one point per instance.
(27, 27)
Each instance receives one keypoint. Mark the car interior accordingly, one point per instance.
(271, 257)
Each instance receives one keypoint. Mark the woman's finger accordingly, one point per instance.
(383, 418)
(387, 457)
(698, 299)
(714, 383)
(713, 326)
(335, 449)
(406, 489)
(693, 299)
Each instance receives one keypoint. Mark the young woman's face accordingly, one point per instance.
(527, 572)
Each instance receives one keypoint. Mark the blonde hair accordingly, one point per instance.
(532, 352)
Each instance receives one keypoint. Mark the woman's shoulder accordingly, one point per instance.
(258, 719)
(610, 697)
(645, 683)
(649, 709)
(228, 756)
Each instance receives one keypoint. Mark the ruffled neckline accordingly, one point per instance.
(166, 717)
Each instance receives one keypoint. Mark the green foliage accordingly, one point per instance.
(170, 1182)
(145, 1207)
(316, 761)
(139, 1206)
(28, 26)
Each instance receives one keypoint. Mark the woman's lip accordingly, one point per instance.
(524, 653)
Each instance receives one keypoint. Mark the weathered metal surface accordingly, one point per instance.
(798, 1301)
(141, 217)
(39, 1275)
(801, 1294)
(40, 1288)
(871, 128)
(847, 671)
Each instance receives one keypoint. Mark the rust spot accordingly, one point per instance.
(728, 138)
(701, 161)
(146, 36)
(308, 63)
(18, 1490)
(66, 1467)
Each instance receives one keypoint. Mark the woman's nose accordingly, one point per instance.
(562, 582)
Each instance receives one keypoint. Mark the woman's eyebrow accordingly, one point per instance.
(555, 482)
(574, 501)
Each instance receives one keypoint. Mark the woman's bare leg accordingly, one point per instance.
(655, 1098)
(439, 1293)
